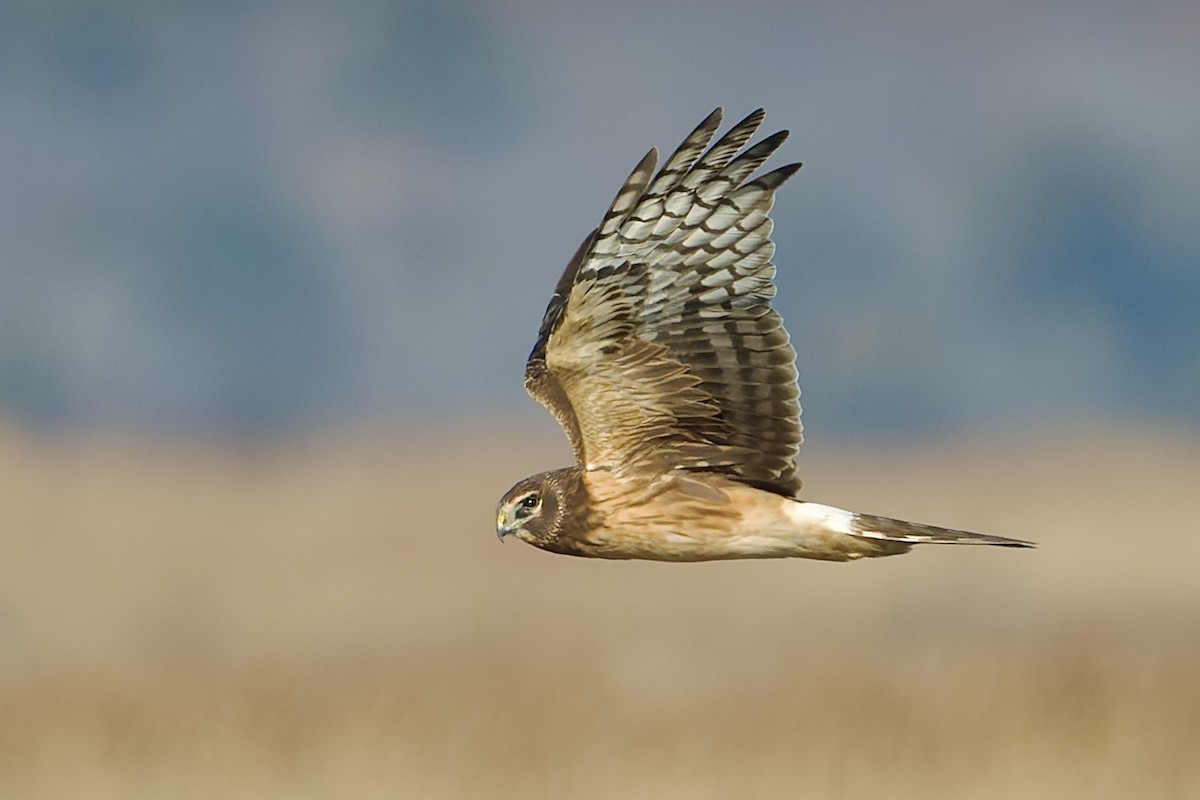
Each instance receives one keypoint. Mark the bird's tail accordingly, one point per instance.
(869, 526)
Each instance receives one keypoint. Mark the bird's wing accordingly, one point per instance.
(659, 349)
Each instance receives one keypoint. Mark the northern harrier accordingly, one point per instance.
(662, 359)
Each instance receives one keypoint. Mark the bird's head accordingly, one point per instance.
(528, 510)
(536, 509)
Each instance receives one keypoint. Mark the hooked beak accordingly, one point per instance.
(504, 525)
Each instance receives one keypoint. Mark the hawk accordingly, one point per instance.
(674, 379)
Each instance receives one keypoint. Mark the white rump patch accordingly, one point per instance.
(816, 517)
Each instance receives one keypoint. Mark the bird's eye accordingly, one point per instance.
(529, 501)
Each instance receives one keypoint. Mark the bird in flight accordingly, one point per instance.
(674, 379)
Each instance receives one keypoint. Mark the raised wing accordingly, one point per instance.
(659, 349)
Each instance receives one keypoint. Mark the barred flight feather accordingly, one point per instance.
(679, 273)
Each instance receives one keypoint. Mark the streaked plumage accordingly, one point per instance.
(661, 358)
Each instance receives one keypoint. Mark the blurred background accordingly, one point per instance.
(267, 216)
(269, 274)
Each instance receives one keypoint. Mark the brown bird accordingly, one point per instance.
(662, 359)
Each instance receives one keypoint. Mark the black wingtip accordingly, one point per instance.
(775, 139)
(776, 177)
(754, 118)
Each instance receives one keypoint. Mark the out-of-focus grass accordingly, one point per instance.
(337, 619)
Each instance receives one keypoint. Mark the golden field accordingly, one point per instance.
(335, 618)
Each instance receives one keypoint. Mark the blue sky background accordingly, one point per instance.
(267, 217)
